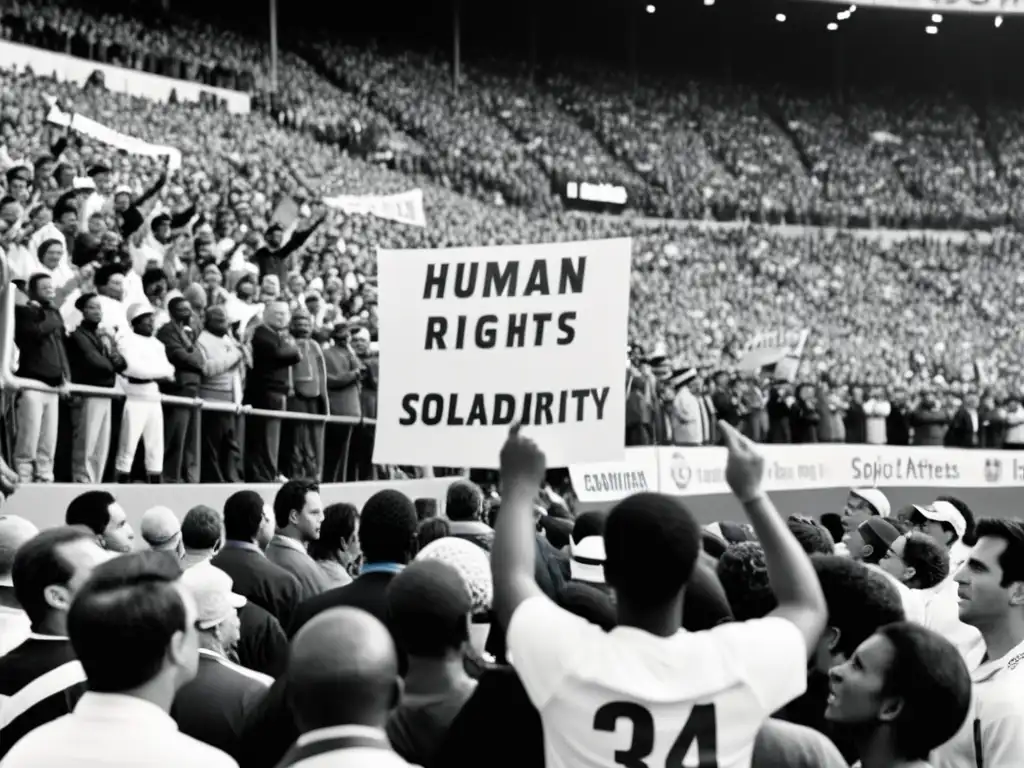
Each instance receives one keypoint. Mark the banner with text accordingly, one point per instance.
(405, 207)
(101, 133)
(779, 351)
(701, 471)
(475, 339)
(994, 7)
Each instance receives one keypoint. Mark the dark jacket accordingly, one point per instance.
(368, 392)
(90, 360)
(897, 426)
(778, 419)
(212, 707)
(272, 356)
(39, 334)
(961, 432)
(473, 531)
(343, 374)
(368, 592)
(856, 422)
(269, 586)
(993, 428)
(803, 422)
(929, 425)
(725, 407)
(186, 358)
(262, 644)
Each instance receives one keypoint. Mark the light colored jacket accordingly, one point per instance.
(875, 414)
(222, 364)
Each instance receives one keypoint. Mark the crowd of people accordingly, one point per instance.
(294, 634)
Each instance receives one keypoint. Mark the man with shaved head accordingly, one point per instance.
(267, 387)
(14, 622)
(223, 366)
(343, 681)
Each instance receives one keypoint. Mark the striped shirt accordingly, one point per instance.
(40, 680)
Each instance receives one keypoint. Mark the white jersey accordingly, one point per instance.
(626, 697)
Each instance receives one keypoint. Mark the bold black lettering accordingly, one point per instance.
(571, 276)
(580, 395)
(460, 332)
(600, 397)
(477, 412)
(437, 276)
(504, 409)
(538, 280)
(432, 410)
(496, 280)
(486, 332)
(563, 400)
(543, 408)
(527, 405)
(437, 327)
(409, 406)
(565, 325)
(453, 416)
(541, 319)
(516, 335)
(465, 284)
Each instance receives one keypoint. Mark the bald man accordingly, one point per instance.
(343, 681)
(14, 623)
(161, 530)
(267, 387)
(223, 365)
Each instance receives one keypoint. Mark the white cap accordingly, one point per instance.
(211, 588)
(137, 310)
(160, 528)
(875, 498)
(587, 563)
(944, 512)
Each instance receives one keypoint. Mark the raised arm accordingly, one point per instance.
(792, 577)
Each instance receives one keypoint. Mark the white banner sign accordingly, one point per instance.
(994, 7)
(701, 471)
(405, 207)
(475, 339)
(780, 348)
(112, 138)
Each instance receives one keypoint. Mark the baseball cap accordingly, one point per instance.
(159, 527)
(875, 498)
(587, 563)
(14, 531)
(879, 533)
(212, 589)
(944, 512)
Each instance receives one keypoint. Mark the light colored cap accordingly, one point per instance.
(875, 498)
(14, 531)
(944, 512)
(472, 563)
(212, 589)
(137, 310)
(160, 527)
(587, 563)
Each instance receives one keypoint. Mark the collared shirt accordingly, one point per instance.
(14, 628)
(109, 729)
(232, 544)
(942, 614)
(223, 660)
(381, 568)
(343, 746)
(993, 733)
(291, 555)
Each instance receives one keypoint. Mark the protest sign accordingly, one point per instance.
(778, 351)
(473, 340)
(405, 207)
(101, 133)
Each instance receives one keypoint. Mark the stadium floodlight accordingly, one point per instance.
(709, 3)
(832, 27)
(931, 29)
(780, 17)
(937, 18)
(999, 21)
(651, 9)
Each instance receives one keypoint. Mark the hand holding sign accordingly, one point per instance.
(523, 463)
(744, 468)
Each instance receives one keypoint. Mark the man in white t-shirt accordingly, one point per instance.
(649, 693)
(991, 591)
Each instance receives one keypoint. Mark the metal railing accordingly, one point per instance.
(9, 380)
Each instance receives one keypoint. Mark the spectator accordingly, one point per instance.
(473, 565)
(876, 416)
(965, 426)
(267, 388)
(161, 530)
(929, 421)
(39, 334)
(307, 385)
(248, 529)
(14, 622)
(343, 375)
(202, 535)
(180, 422)
(812, 535)
(94, 361)
(464, 507)
(344, 677)
(100, 513)
(49, 570)
(862, 504)
(336, 550)
(431, 529)
(905, 693)
(142, 418)
(222, 381)
(430, 609)
(133, 631)
(916, 560)
(299, 515)
(212, 706)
